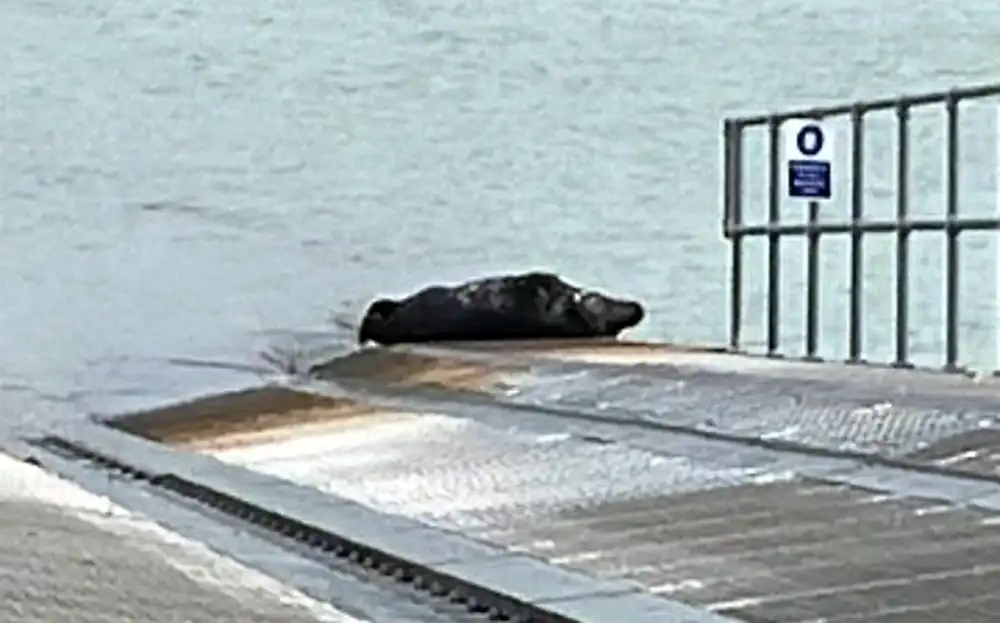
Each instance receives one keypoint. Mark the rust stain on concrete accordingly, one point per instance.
(403, 368)
(223, 415)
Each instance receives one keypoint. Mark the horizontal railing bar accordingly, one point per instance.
(865, 227)
(870, 105)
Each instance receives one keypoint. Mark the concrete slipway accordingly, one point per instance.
(582, 481)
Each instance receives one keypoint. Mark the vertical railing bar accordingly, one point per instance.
(734, 171)
(773, 240)
(902, 236)
(727, 178)
(951, 235)
(812, 283)
(857, 248)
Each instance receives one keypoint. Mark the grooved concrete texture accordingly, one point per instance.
(66, 555)
(654, 470)
(883, 412)
(758, 534)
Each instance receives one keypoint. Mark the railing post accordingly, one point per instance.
(727, 178)
(857, 309)
(902, 235)
(812, 283)
(951, 234)
(773, 239)
(733, 170)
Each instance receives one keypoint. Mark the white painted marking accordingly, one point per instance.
(789, 432)
(879, 498)
(543, 544)
(934, 510)
(553, 438)
(676, 587)
(767, 478)
(576, 558)
(735, 604)
(624, 356)
(877, 409)
(958, 458)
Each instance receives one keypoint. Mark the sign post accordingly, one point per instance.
(809, 159)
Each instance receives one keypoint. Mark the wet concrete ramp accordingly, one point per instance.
(882, 413)
(799, 551)
(762, 490)
(975, 453)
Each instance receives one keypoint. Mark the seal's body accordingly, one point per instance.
(534, 305)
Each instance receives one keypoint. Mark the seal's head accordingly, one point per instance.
(579, 312)
(608, 316)
(374, 322)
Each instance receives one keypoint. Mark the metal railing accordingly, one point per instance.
(950, 223)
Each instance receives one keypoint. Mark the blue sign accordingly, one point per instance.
(809, 179)
(808, 156)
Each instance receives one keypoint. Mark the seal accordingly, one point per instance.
(534, 305)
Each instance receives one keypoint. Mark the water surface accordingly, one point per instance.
(189, 181)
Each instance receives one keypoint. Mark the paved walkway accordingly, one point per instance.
(67, 555)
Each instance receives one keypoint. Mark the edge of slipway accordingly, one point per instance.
(166, 452)
(56, 531)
